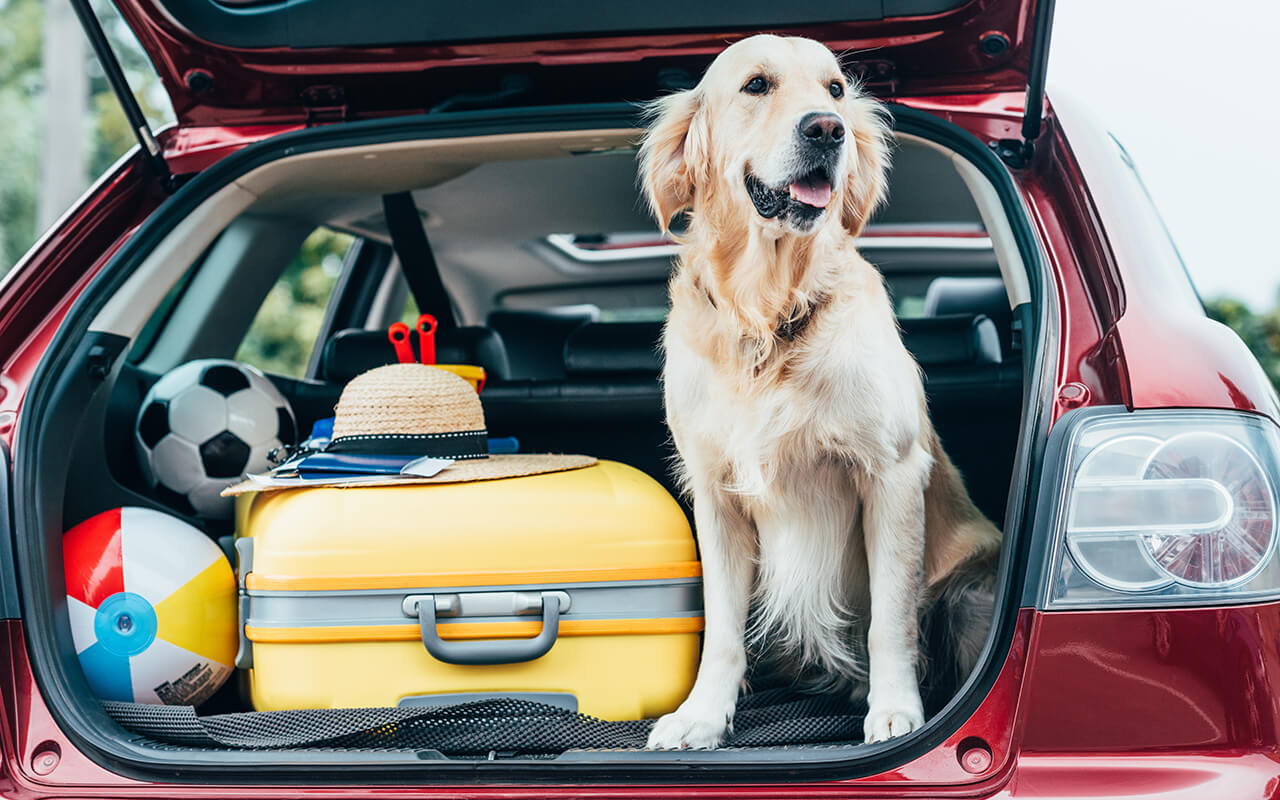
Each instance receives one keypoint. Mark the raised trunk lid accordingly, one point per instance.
(235, 62)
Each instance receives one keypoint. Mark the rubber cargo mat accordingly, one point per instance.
(774, 717)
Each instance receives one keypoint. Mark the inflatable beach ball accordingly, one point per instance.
(152, 602)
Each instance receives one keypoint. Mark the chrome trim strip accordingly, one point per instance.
(924, 243)
(564, 243)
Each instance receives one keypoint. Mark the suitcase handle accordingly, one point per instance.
(491, 651)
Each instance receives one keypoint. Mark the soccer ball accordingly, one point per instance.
(202, 426)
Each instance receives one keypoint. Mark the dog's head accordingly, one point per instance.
(774, 131)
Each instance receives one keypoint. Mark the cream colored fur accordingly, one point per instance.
(821, 495)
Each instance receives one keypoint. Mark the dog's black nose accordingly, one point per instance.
(822, 128)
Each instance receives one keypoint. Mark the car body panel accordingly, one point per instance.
(1144, 299)
(193, 149)
(221, 84)
(1175, 703)
(1148, 682)
(1195, 685)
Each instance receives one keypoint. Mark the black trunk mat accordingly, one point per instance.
(774, 717)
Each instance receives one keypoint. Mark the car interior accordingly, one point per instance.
(556, 277)
(569, 340)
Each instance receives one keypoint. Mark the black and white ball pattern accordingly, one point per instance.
(202, 426)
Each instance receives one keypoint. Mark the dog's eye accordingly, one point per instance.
(757, 85)
(837, 89)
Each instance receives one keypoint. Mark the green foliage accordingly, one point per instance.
(111, 135)
(22, 109)
(20, 44)
(1260, 332)
(285, 329)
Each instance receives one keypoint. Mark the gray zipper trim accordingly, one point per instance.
(659, 599)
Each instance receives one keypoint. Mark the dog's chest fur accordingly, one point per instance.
(789, 441)
(844, 391)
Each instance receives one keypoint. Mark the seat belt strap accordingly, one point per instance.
(417, 262)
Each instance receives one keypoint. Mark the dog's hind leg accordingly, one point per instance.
(727, 544)
(966, 604)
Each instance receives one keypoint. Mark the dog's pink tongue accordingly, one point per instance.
(816, 194)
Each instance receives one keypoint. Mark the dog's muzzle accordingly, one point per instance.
(818, 148)
(801, 202)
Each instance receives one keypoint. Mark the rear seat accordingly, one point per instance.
(979, 426)
(966, 296)
(614, 348)
(351, 352)
(972, 295)
(535, 339)
(608, 402)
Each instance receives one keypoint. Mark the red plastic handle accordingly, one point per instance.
(398, 333)
(427, 338)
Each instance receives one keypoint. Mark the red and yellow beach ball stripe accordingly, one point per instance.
(152, 605)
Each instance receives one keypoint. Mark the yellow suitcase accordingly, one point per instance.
(579, 588)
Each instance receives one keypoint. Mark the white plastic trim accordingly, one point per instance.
(1008, 257)
(132, 305)
(351, 168)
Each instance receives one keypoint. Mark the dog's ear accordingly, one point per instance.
(865, 181)
(673, 153)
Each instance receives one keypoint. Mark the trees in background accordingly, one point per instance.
(284, 331)
(23, 108)
(20, 79)
(1260, 332)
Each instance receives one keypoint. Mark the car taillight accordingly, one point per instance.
(1167, 508)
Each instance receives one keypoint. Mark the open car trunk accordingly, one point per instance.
(74, 456)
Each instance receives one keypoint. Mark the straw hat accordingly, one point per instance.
(419, 410)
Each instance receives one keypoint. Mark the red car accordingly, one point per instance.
(1128, 444)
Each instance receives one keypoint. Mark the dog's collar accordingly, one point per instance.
(791, 328)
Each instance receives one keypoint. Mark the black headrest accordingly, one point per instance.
(952, 340)
(354, 351)
(535, 339)
(613, 348)
(631, 348)
(966, 296)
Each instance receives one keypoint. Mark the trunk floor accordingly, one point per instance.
(507, 727)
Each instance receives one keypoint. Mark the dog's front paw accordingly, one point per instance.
(885, 723)
(681, 730)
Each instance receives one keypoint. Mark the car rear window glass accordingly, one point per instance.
(284, 331)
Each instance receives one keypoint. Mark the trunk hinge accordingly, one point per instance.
(324, 104)
(115, 77)
(1017, 153)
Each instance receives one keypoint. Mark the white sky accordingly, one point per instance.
(1192, 90)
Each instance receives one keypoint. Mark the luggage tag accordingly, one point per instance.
(324, 465)
(425, 467)
(349, 469)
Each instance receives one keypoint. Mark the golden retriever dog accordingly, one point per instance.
(822, 498)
